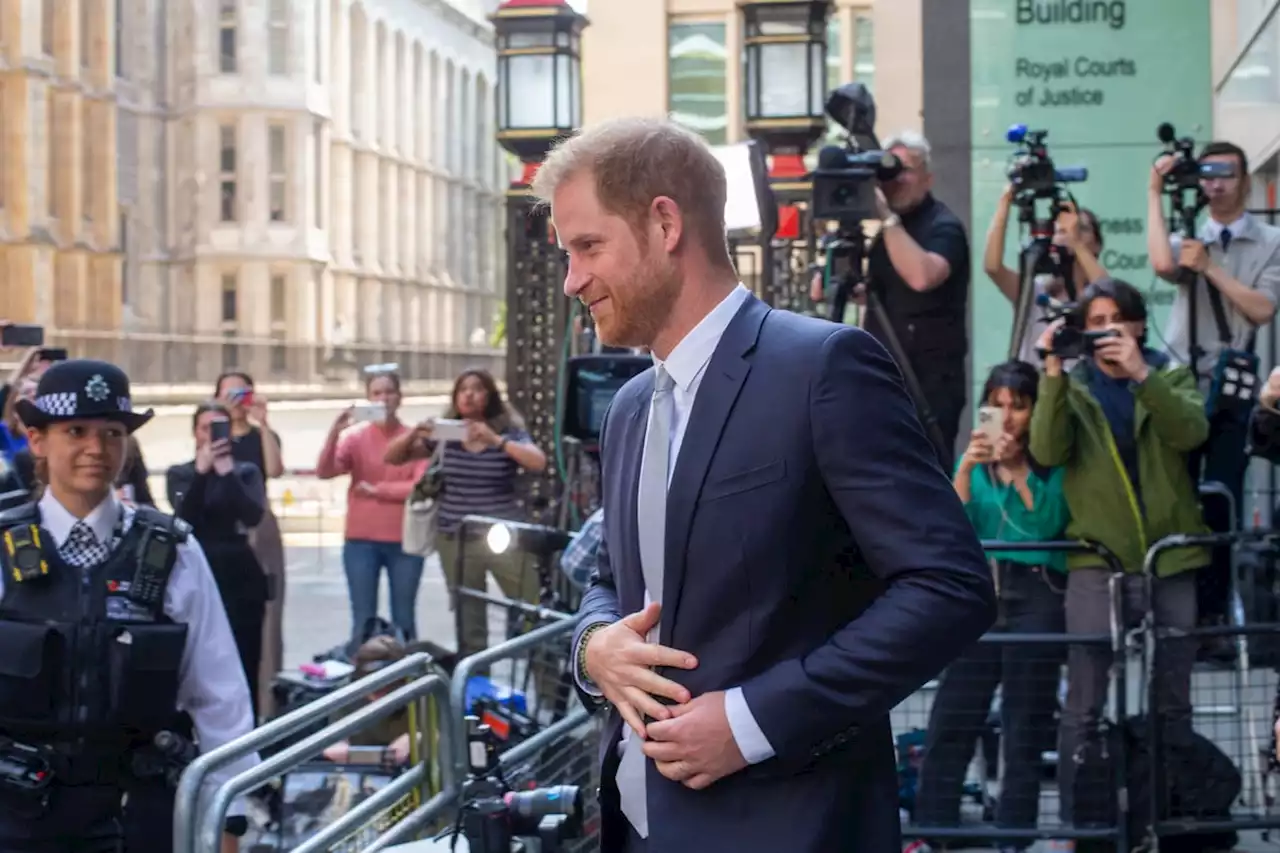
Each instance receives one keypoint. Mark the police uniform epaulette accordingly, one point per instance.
(21, 515)
(152, 517)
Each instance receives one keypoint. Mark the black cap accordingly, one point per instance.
(81, 389)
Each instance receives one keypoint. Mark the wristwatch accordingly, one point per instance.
(502, 443)
(890, 221)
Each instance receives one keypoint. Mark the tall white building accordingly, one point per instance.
(305, 178)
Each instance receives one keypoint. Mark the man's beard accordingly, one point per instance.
(640, 305)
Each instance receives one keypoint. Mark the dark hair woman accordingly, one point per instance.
(479, 475)
(1008, 497)
(253, 441)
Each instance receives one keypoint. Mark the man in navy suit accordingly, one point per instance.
(783, 560)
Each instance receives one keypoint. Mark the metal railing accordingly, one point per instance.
(199, 816)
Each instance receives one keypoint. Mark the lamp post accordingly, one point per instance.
(786, 73)
(539, 100)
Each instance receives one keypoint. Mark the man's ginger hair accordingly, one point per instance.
(634, 161)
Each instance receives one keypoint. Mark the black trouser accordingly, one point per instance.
(1220, 459)
(244, 596)
(83, 819)
(148, 818)
(1031, 602)
(944, 392)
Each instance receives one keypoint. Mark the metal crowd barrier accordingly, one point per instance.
(1112, 640)
(1253, 764)
(199, 815)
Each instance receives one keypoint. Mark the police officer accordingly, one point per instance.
(110, 623)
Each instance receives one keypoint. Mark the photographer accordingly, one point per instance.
(919, 268)
(1122, 424)
(1076, 231)
(1236, 261)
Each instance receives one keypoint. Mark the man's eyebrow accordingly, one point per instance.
(579, 240)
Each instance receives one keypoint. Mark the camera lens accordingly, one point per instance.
(528, 808)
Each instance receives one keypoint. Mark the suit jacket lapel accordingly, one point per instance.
(633, 451)
(716, 396)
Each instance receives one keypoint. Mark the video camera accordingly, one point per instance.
(844, 190)
(844, 183)
(495, 819)
(1187, 171)
(1071, 339)
(1033, 173)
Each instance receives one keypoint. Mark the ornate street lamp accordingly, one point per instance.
(539, 76)
(785, 43)
(786, 75)
(539, 100)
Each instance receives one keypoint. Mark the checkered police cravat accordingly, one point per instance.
(82, 548)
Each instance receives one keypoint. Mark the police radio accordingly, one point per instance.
(26, 559)
(156, 557)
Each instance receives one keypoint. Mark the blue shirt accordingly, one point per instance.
(11, 444)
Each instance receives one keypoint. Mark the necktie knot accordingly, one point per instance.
(662, 381)
(1225, 238)
(82, 534)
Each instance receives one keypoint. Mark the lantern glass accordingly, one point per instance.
(530, 99)
(786, 75)
(531, 38)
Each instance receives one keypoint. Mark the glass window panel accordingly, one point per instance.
(531, 39)
(834, 52)
(864, 55)
(1254, 79)
(696, 72)
(783, 21)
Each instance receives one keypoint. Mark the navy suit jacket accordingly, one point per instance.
(817, 556)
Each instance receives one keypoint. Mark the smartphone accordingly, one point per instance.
(375, 411)
(22, 335)
(449, 430)
(220, 430)
(991, 422)
(52, 354)
(241, 396)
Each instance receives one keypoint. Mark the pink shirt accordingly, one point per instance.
(377, 517)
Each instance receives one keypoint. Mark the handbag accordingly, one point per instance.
(421, 510)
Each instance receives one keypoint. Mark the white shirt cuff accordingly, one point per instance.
(752, 743)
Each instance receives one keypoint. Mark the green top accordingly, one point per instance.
(998, 513)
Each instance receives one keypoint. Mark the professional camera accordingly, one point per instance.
(844, 184)
(1035, 178)
(1187, 171)
(495, 819)
(844, 190)
(1071, 339)
(1032, 172)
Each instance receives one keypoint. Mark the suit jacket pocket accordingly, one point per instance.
(744, 481)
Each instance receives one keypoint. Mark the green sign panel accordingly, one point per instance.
(1100, 76)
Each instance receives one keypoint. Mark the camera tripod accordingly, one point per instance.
(1039, 255)
(848, 253)
(1184, 215)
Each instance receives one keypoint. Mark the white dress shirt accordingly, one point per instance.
(211, 681)
(687, 364)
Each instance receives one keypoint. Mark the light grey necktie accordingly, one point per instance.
(651, 518)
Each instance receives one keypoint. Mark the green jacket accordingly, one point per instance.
(1069, 429)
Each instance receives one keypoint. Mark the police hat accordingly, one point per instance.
(82, 389)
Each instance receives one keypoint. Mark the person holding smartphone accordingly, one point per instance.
(1008, 497)
(222, 499)
(480, 459)
(375, 505)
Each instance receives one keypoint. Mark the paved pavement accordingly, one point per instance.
(317, 616)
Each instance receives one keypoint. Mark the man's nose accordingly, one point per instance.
(574, 282)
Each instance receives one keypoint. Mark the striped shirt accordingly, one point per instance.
(481, 483)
